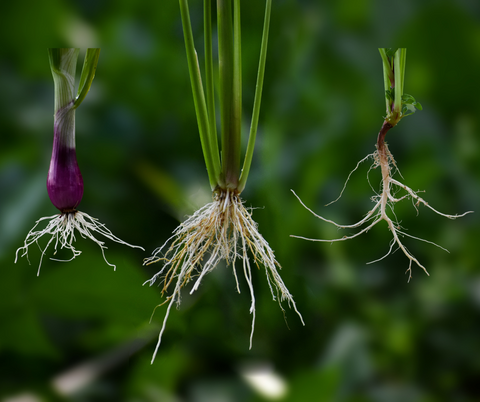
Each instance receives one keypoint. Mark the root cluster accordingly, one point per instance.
(61, 229)
(384, 203)
(221, 230)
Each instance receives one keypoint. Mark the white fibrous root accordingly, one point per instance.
(221, 230)
(61, 228)
(383, 202)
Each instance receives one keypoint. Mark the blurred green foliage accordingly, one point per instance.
(369, 336)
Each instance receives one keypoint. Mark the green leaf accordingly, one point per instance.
(88, 73)
(390, 52)
(390, 94)
(230, 98)
(408, 99)
(409, 105)
(257, 100)
(407, 110)
(209, 78)
(207, 138)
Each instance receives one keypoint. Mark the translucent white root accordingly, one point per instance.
(379, 212)
(222, 229)
(62, 228)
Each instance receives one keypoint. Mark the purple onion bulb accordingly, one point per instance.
(64, 181)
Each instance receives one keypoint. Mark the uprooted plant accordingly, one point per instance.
(398, 105)
(223, 229)
(64, 180)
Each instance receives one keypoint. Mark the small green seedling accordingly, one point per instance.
(223, 229)
(398, 106)
(64, 180)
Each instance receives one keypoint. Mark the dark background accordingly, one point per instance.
(369, 335)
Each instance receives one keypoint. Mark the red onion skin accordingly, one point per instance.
(64, 181)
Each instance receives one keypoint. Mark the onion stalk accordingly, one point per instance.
(398, 105)
(64, 180)
(223, 229)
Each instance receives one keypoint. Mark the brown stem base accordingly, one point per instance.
(381, 136)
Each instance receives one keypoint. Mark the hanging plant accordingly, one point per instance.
(399, 105)
(64, 180)
(223, 229)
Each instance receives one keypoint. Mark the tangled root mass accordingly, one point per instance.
(221, 230)
(384, 201)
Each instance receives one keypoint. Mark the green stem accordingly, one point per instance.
(394, 62)
(212, 159)
(237, 80)
(403, 62)
(210, 93)
(230, 110)
(387, 78)
(63, 63)
(257, 101)
(397, 69)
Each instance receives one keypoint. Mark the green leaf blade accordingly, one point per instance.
(212, 158)
(88, 74)
(257, 99)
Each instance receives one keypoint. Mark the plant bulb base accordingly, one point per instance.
(64, 181)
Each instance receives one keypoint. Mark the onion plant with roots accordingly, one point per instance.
(223, 229)
(64, 180)
(398, 106)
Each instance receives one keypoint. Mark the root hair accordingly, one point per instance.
(62, 229)
(384, 201)
(221, 230)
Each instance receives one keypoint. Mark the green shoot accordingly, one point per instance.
(224, 173)
(257, 101)
(64, 179)
(88, 73)
(210, 92)
(230, 96)
(207, 138)
(398, 106)
(223, 229)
